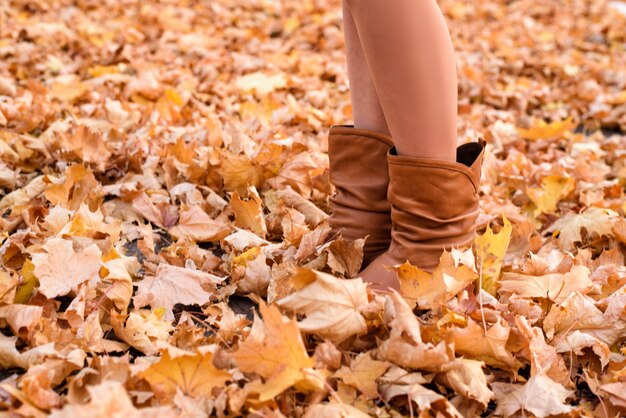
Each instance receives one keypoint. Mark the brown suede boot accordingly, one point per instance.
(359, 172)
(434, 206)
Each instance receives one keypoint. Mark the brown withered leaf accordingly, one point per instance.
(345, 258)
(249, 213)
(142, 329)
(363, 373)
(171, 285)
(191, 372)
(274, 350)
(61, 270)
(79, 186)
(331, 305)
(405, 346)
(196, 225)
(543, 357)
(431, 291)
(488, 345)
(541, 396)
(555, 286)
(467, 378)
(595, 220)
(86, 145)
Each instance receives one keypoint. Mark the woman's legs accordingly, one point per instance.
(410, 58)
(366, 110)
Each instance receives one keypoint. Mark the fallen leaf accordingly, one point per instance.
(193, 373)
(490, 250)
(431, 291)
(488, 345)
(554, 286)
(331, 305)
(540, 396)
(196, 225)
(274, 349)
(60, 269)
(595, 220)
(171, 285)
(362, 374)
(543, 130)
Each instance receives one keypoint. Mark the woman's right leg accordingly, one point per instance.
(366, 109)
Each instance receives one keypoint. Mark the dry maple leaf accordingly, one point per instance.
(543, 357)
(431, 291)
(240, 173)
(21, 318)
(490, 250)
(578, 312)
(80, 185)
(172, 285)
(142, 329)
(486, 345)
(543, 130)
(257, 276)
(467, 378)
(345, 258)
(405, 346)
(363, 373)
(398, 382)
(86, 144)
(541, 396)
(274, 350)
(116, 282)
(196, 225)
(331, 305)
(554, 286)
(249, 213)
(261, 83)
(193, 373)
(595, 220)
(553, 189)
(109, 399)
(333, 410)
(616, 392)
(61, 270)
(37, 385)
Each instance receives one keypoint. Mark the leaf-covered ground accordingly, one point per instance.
(163, 160)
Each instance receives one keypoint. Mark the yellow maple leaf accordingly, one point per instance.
(29, 282)
(552, 190)
(542, 130)
(490, 250)
(274, 349)
(193, 373)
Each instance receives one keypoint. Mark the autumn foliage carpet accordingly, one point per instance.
(161, 160)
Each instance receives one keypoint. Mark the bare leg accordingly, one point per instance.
(412, 66)
(366, 109)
